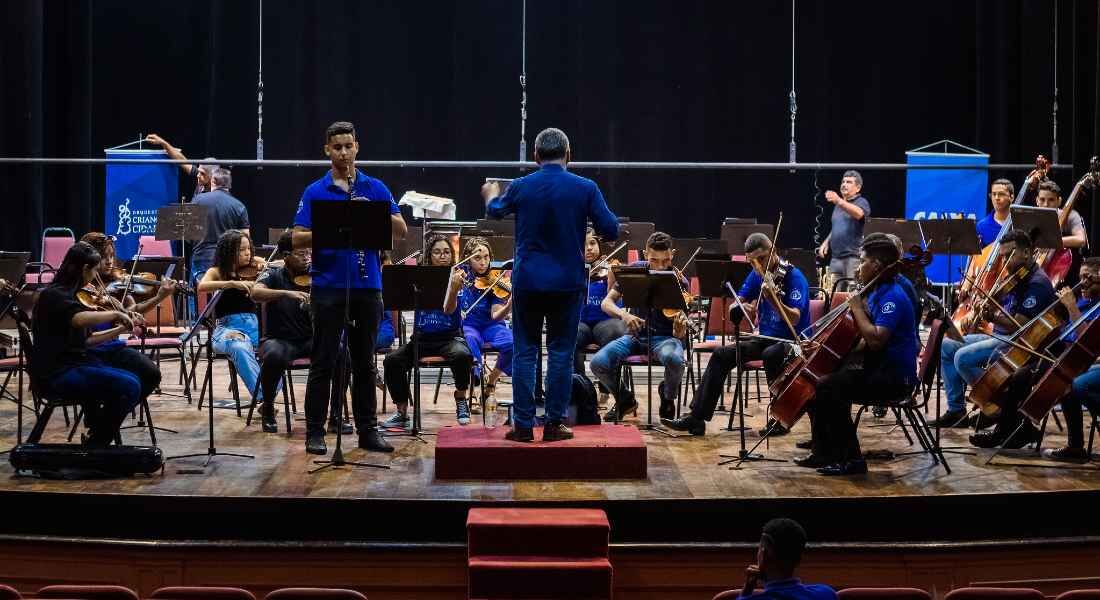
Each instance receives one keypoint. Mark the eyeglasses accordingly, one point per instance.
(302, 254)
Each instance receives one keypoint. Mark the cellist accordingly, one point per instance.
(963, 361)
(1014, 431)
(884, 315)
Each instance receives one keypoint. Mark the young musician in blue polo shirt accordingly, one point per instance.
(439, 333)
(330, 273)
(777, 557)
(883, 313)
(794, 297)
(1001, 193)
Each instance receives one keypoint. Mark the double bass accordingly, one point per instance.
(1057, 263)
(831, 344)
(1077, 358)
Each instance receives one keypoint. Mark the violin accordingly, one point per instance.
(142, 286)
(1026, 343)
(498, 280)
(832, 342)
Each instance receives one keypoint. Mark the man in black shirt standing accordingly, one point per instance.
(288, 331)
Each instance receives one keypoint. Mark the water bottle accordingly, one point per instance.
(489, 412)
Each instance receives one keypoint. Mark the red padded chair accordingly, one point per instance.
(9, 593)
(1080, 595)
(727, 595)
(202, 593)
(870, 593)
(151, 246)
(314, 594)
(87, 592)
(990, 593)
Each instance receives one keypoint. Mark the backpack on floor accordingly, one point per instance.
(585, 401)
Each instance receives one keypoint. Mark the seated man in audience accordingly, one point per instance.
(777, 558)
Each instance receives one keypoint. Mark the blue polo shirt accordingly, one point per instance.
(889, 306)
(1084, 305)
(793, 589)
(436, 324)
(591, 313)
(330, 266)
(552, 208)
(796, 294)
(482, 314)
(1028, 298)
(988, 230)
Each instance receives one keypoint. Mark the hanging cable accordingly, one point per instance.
(523, 91)
(260, 91)
(1054, 109)
(793, 98)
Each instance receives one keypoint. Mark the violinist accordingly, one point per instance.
(484, 313)
(596, 326)
(437, 333)
(787, 284)
(884, 316)
(1014, 431)
(668, 336)
(288, 331)
(1026, 292)
(113, 351)
(237, 333)
(61, 364)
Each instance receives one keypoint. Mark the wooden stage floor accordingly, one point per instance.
(679, 467)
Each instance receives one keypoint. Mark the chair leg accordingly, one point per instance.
(288, 382)
(901, 423)
(438, 383)
(233, 387)
(78, 416)
(40, 424)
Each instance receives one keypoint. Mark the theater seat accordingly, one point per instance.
(871, 593)
(314, 594)
(1080, 595)
(202, 593)
(87, 592)
(991, 593)
(9, 593)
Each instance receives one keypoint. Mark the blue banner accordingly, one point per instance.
(945, 194)
(134, 193)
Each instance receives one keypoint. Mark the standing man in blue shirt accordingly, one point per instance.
(794, 297)
(884, 315)
(330, 273)
(777, 557)
(552, 208)
(850, 212)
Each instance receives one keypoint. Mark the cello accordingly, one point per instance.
(830, 344)
(992, 264)
(1057, 263)
(1058, 380)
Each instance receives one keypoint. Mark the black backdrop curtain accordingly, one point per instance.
(641, 81)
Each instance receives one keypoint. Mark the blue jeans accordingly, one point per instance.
(667, 350)
(237, 336)
(198, 269)
(963, 363)
(1085, 392)
(109, 395)
(496, 334)
(561, 311)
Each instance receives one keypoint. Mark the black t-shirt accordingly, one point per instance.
(286, 319)
(234, 301)
(57, 344)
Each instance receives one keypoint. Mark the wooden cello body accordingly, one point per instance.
(797, 385)
(1058, 380)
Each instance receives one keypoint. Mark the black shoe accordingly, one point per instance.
(624, 403)
(520, 434)
(267, 419)
(988, 439)
(556, 431)
(849, 467)
(1067, 453)
(776, 428)
(371, 439)
(878, 411)
(981, 421)
(951, 419)
(812, 461)
(315, 444)
(346, 429)
(668, 407)
(686, 423)
(805, 444)
(1023, 436)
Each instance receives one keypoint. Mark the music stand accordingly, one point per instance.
(13, 266)
(183, 223)
(735, 234)
(206, 320)
(908, 231)
(1040, 224)
(351, 226)
(505, 227)
(415, 288)
(413, 241)
(713, 274)
(951, 237)
(647, 290)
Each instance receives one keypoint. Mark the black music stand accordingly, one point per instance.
(415, 288)
(352, 226)
(713, 274)
(909, 232)
(647, 290)
(505, 227)
(206, 321)
(951, 237)
(1040, 224)
(183, 223)
(735, 234)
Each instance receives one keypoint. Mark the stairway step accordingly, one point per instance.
(563, 532)
(539, 577)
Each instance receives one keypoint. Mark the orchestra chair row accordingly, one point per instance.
(965, 593)
(56, 242)
(117, 592)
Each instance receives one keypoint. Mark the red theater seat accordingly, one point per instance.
(87, 592)
(202, 593)
(870, 593)
(990, 593)
(314, 594)
(1080, 595)
(9, 593)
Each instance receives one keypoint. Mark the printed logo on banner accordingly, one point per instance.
(135, 222)
(124, 220)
